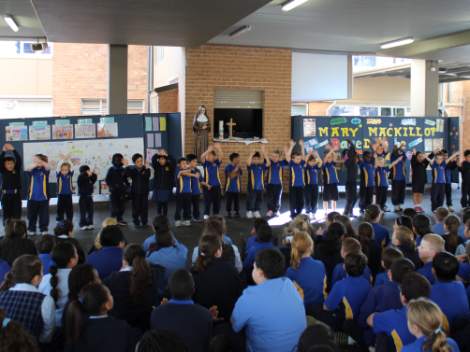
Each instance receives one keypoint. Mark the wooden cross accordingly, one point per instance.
(230, 125)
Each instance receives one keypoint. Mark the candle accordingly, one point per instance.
(221, 129)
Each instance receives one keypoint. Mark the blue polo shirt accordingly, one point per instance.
(233, 185)
(256, 174)
(274, 172)
(106, 261)
(64, 183)
(461, 232)
(340, 273)
(464, 272)
(382, 176)
(312, 174)
(297, 174)
(330, 175)
(381, 279)
(250, 257)
(395, 325)
(251, 244)
(183, 183)
(448, 175)
(381, 235)
(5, 269)
(452, 299)
(417, 346)
(426, 271)
(399, 173)
(367, 173)
(438, 228)
(211, 174)
(46, 262)
(172, 258)
(348, 295)
(195, 190)
(38, 184)
(438, 172)
(272, 314)
(384, 155)
(311, 280)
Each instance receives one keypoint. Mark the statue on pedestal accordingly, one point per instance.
(201, 129)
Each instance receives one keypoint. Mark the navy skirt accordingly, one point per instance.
(162, 195)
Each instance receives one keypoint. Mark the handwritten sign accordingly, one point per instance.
(356, 121)
(415, 142)
(408, 122)
(319, 145)
(430, 122)
(374, 121)
(338, 121)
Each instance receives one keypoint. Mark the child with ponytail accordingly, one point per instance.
(18, 294)
(55, 284)
(216, 281)
(424, 322)
(451, 237)
(64, 233)
(13, 337)
(135, 287)
(15, 243)
(372, 216)
(370, 247)
(289, 233)
(403, 239)
(89, 328)
(307, 274)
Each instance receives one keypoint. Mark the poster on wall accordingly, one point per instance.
(438, 143)
(39, 133)
(310, 128)
(62, 131)
(16, 133)
(151, 153)
(85, 131)
(107, 130)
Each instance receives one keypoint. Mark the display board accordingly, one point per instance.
(424, 134)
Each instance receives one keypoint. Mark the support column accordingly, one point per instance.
(424, 88)
(117, 79)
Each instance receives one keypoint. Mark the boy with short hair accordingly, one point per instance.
(10, 169)
(140, 175)
(346, 297)
(158, 222)
(330, 179)
(272, 312)
(64, 188)
(117, 182)
(348, 245)
(465, 218)
(313, 165)
(38, 199)
(389, 256)
(252, 242)
(211, 192)
(44, 245)
(431, 244)
(447, 293)
(464, 169)
(233, 186)
(85, 183)
(381, 172)
(265, 240)
(440, 215)
(195, 188)
(274, 183)
(296, 163)
(183, 192)
(256, 174)
(392, 326)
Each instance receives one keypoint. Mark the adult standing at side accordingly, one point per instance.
(201, 129)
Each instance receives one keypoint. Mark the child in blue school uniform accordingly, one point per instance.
(372, 215)
(350, 187)
(211, 191)
(424, 323)
(256, 174)
(64, 188)
(140, 175)
(398, 177)
(347, 296)
(295, 162)
(195, 186)
(264, 235)
(380, 299)
(447, 293)
(38, 200)
(440, 215)
(10, 169)
(391, 326)
(117, 182)
(312, 167)
(367, 185)
(184, 178)
(381, 151)
(85, 183)
(381, 177)
(233, 185)
(307, 274)
(252, 242)
(44, 245)
(330, 179)
(158, 222)
(348, 245)
(274, 178)
(429, 247)
(389, 256)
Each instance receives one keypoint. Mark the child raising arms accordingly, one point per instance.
(314, 163)
(330, 179)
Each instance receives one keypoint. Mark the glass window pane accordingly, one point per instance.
(369, 111)
(341, 110)
(400, 112)
(386, 112)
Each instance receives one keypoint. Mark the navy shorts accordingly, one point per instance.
(418, 187)
(330, 192)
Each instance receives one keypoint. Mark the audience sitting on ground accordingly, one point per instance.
(328, 250)
(289, 233)
(370, 247)
(429, 247)
(44, 245)
(162, 341)
(13, 337)
(451, 237)
(64, 233)
(410, 212)
(461, 248)
(96, 243)
(264, 236)
(158, 222)
(404, 221)
(389, 256)
(253, 240)
(440, 215)
(421, 227)
(373, 214)
(15, 242)
(403, 239)
(318, 338)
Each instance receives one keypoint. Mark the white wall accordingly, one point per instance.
(170, 67)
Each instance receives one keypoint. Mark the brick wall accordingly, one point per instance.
(317, 108)
(80, 72)
(167, 101)
(211, 67)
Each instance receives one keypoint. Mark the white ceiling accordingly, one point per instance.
(24, 15)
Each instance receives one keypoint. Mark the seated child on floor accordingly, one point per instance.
(389, 256)
(429, 247)
(265, 240)
(349, 245)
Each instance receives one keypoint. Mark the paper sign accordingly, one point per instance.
(16, 133)
(430, 122)
(150, 140)
(310, 128)
(440, 125)
(148, 123)
(438, 143)
(107, 130)
(39, 133)
(321, 144)
(85, 131)
(62, 122)
(162, 124)
(408, 122)
(62, 131)
(356, 121)
(427, 144)
(158, 140)
(107, 120)
(16, 124)
(156, 124)
(338, 121)
(374, 121)
(151, 153)
(415, 142)
(39, 123)
(85, 121)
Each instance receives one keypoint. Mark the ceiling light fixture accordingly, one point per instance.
(398, 42)
(292, 4)
(11, 22)
(240, 31)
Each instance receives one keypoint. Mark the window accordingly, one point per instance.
(12, 49)
(100, 107)
(160, 53)
(298, 109)
(386, 112)
(345, 110)
(19, 108)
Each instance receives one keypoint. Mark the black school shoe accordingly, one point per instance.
(229, 214)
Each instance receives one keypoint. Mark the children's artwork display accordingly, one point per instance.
(39, 133)
(62, 131)
(107, 130)
(97, 154)
(85, 131)
(16, 133)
